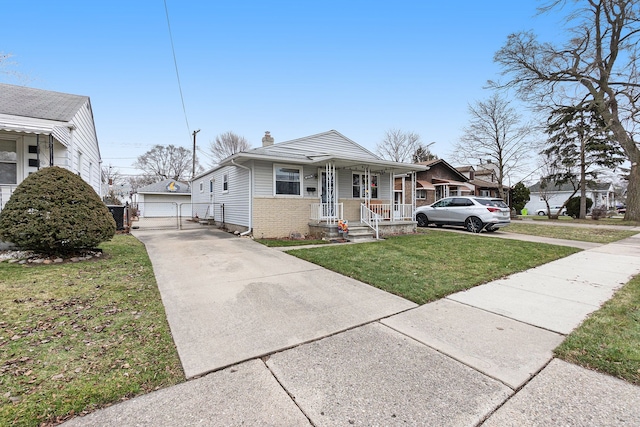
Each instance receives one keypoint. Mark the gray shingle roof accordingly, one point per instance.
(40, 104)
(163, 187)
(567, 186)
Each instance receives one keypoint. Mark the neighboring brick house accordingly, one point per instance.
(438, 181)
(484, 180)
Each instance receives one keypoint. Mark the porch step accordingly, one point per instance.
(359, 233)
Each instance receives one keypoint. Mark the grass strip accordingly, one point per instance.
(428, 266)
(583, 234)
(609, 340)
(278, 243)
(78, 336)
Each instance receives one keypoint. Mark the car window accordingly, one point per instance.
(442, 203)
(498, 203)
(460, 201)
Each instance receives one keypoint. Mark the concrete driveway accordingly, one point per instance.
(230, 299)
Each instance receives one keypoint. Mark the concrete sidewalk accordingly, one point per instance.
(338, 352)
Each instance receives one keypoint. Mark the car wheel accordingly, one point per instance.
(541, 213)
(422, 219)
(473, 224)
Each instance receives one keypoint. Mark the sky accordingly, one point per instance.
(294, 68)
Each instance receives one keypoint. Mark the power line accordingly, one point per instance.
(175, 63)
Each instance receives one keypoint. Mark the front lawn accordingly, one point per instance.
(78, 336)
(431, 265)
(591, 234)
(609, 340)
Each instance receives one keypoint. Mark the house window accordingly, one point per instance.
(211, 186)
(201, 187)
(8, 162)
(360, 186)
(485, 193)
(225, 183)
(421, 194)
(287, 180)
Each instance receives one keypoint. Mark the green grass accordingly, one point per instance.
(591, 234)
(609, 340)
(428, 266)
(276, 243)
(616, 220)
(78, 336)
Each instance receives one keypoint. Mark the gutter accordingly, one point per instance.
(233, 162)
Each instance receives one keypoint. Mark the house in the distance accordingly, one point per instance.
(305, 186)
(40, 128)
(438, 181)
(602, 195)
(484, 180)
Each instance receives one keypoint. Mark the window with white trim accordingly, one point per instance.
(201, 187)
(421, 194)
(360, 186)
(287, 180)
(211, 186)
(225, 183)
(8, 162)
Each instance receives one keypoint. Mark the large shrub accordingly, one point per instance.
(573, 206)
(54, 211)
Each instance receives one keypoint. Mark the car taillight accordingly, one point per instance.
(493, 209)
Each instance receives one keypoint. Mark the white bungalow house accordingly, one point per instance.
(305, 186)
(602, 194)
(40, 128)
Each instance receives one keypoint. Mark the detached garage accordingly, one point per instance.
(163, 199)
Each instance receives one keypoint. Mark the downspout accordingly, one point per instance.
(233, 162)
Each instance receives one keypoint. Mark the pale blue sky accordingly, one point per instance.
(295, 68)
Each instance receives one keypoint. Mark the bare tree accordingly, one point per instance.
(550, 183)
(597, 64)
(398, 146)
(227, 144)
(6, 69)
(166, 162)
(495, 134)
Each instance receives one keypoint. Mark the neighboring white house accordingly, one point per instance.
(167, 198)
(40, 128)
(303, 187)
(602, 194)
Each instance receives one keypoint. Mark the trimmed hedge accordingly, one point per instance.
(54, 211)
(573, 206)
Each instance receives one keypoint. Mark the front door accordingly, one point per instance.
(327, 195)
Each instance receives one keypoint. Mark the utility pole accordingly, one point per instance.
(193, 168)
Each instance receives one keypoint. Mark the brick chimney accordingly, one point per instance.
(267, 139)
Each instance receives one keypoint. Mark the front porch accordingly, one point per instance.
(383, 219)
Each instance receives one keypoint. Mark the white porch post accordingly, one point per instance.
(367, 183)
(331, 197)
(413, 195)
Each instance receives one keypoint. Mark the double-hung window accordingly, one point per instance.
(8, 162)
(360, 186)
(287, 180)
(225, 183)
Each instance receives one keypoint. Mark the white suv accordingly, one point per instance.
(474, 213)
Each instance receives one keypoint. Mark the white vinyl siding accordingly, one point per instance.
(236, 200)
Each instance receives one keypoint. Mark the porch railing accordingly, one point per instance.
(328, 212)
(370, 218)
(392, 212)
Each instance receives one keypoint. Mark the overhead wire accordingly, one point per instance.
(175, 63)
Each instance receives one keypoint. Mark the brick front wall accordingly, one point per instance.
(280, 217)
